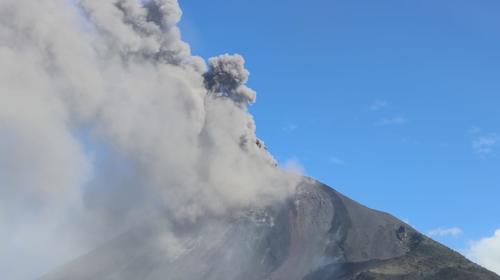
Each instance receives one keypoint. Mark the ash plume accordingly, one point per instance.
(108, 120)
(227, 76)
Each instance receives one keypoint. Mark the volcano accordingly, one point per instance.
(121, 146)
(317, 234)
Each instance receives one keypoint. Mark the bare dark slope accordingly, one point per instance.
(317, 235)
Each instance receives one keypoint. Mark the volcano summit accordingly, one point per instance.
(318, 234)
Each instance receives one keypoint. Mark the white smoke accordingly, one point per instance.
(105, 118)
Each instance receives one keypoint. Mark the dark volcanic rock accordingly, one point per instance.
(317, 235)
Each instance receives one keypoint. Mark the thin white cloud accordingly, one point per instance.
(391, 121)
(444, 232)
(337, 161)
(378, 105)
(486, 252)
(485, 145)
(475, 130)
(290, 127)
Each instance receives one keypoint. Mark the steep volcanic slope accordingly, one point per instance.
(318, 234)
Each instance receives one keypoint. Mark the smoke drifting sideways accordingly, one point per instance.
(107, 120)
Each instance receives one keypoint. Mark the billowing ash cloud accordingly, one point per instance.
(106, 119)
(227, 76)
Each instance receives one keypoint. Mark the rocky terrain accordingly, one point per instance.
(317, 235)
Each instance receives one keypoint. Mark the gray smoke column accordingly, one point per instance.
(107, 120)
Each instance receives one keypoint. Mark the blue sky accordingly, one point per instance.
(394, 103)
